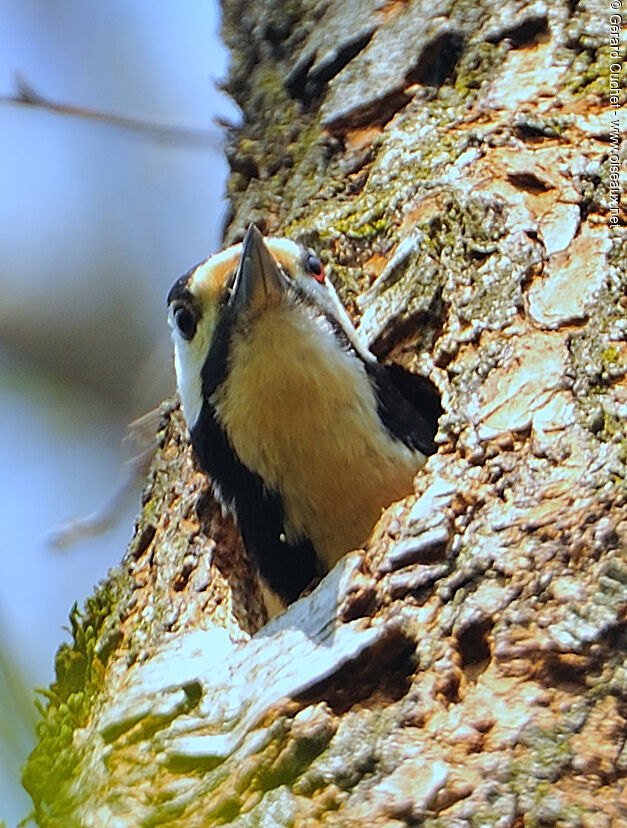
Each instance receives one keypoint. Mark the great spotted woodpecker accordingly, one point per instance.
(304, 434)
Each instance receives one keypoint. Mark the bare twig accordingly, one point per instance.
(25, 95)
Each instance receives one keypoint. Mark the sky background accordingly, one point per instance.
(95, 225)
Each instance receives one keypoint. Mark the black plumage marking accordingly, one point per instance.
(287, 567)
(408, 405)
(215, 367)
(180, 291)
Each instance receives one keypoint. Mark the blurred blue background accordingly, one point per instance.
(95, 224)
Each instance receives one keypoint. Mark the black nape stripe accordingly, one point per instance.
(409, 405)
(287, 568)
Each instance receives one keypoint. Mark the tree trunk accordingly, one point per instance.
(451, 162)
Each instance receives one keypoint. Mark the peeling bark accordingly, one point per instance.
(450, 163)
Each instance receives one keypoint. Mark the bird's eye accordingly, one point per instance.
(314, 266)
(185, 321)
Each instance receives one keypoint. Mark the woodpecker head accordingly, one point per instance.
(229, 291)
(304, 434)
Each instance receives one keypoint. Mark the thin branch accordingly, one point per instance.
(25, 95)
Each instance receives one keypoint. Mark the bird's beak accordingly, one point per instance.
(258, 280)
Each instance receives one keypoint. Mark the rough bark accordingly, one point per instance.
(449, 160)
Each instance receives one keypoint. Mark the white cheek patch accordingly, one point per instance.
(188, 364)
(189, 359)
(325, 296)
(339, 311)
